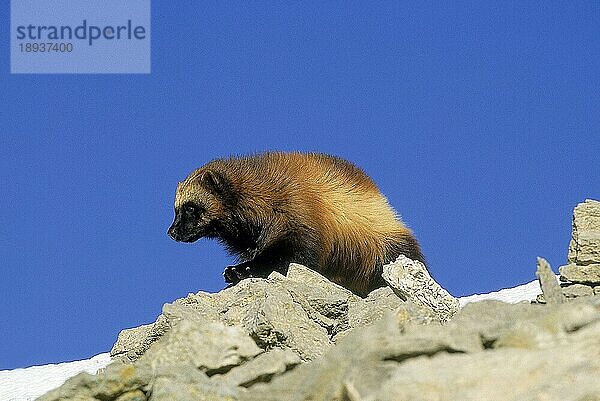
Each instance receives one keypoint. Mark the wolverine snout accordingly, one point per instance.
(172, 231)
(181, 234)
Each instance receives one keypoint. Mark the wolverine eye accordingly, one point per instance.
(190, 209)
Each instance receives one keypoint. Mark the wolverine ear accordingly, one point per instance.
(215, 182)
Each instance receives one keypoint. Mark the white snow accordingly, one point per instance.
(525, 292)
(29, 383)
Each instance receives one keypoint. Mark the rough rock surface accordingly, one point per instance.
(550, 288)
(588, 274)
(583, 268)
(489, 351)
(301, 337)
(303, 312)
(389, 349)
(216, 346)
(408, 278)
(584, 248)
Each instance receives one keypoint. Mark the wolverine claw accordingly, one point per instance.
(228, 275)
(235, 274)
(231, 275)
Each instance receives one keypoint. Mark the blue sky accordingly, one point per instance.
(478, 121)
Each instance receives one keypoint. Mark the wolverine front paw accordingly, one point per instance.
(235, 274)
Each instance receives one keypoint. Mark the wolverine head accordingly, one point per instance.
(199, 206)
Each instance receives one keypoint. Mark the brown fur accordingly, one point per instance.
(275, 208)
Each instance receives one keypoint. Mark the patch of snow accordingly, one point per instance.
(525, 292)
(29, 383)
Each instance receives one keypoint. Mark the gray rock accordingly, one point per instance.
(587, 247)
(276, 321)
(589, 274)
(235, 302)
(364, 312)
(490, 350)
(212, 347)
(577, 290)
(584, 247)
(310, 278)
(173, 389)
(586, 215)
(272, 317)
(491, 318)
(135, 395)
(507, 374)
(261, 369)
(199, 307)
(182, 382)
(410, 280)
(518, 344)
(366, 354)
(302, 311)
(176, 367)
(167, 389)
(550, 329)
(547, 278)
(324, 302)
(133, 343)
(301, 337)
(181, 363)
(117, 380)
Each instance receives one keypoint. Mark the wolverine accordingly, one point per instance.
(275, 208)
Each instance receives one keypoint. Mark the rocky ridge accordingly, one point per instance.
(301, 337)
(580, 277)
